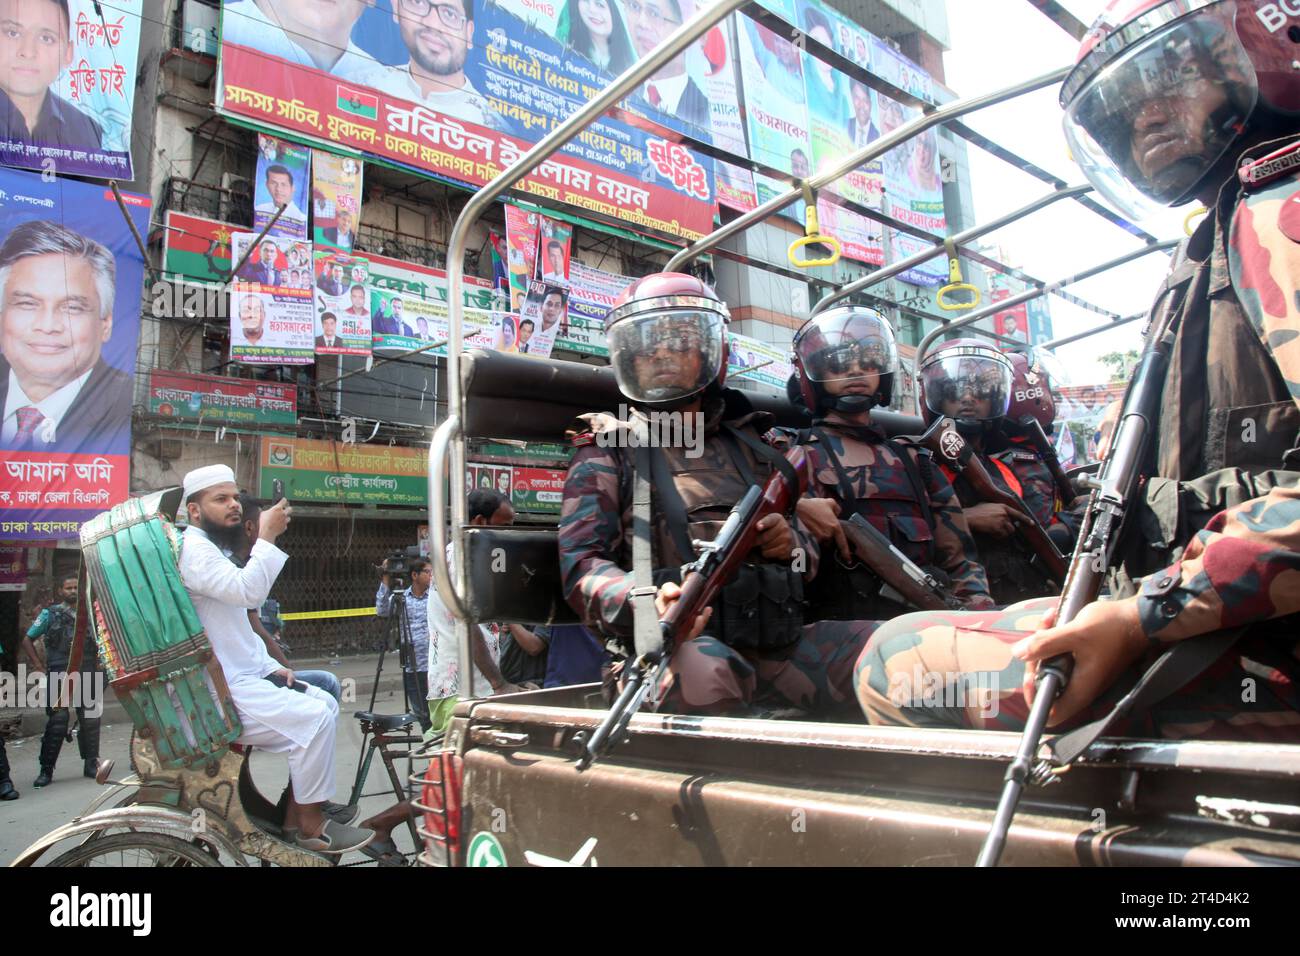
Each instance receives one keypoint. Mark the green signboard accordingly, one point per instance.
(337, 472)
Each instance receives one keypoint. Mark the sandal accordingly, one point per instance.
(384, 852)
(335, 837)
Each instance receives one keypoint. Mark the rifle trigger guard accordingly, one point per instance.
(1044, 773)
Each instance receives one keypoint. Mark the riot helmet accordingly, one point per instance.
(966, 380)
(845, 359)
(667, 336)
(1163, 89)
(1031, 391)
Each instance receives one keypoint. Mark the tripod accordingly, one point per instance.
(381, 732)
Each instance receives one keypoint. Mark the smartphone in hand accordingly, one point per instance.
(277, 491)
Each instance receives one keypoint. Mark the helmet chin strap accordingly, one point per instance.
(854, 404)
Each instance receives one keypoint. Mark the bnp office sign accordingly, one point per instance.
(336, 472)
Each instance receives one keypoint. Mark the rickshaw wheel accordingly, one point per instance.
(136, 849)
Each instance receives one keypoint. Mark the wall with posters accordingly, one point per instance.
(466, 113)
(65, 437)
(68, 109)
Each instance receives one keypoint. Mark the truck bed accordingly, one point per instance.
(746, 792)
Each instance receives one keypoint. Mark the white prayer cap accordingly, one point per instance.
(206, 477)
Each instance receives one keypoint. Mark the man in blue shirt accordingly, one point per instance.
(57, 624)
(417, 616)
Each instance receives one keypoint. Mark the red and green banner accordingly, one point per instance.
(342, 473)
(197, 249)
(537, 490)
(188, 397)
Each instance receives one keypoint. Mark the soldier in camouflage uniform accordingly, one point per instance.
(1031, 395)
(845, 362)
(667, 345)
(1169, 108)
(969, 381)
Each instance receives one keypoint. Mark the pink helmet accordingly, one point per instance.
(1031, 391)
(667, 336)
(1163, 89)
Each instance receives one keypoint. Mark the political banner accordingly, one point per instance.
(860, 237)
(189, 397)
(342, 472)
(401, 293)
(67, 75)
(196, 249)
(335, 199)
(537, 490)
(66, 386)
(489, 477)
(523, 228)
(468, 110)
(342, 304)
(283, 174)
(754, 361)
(13, 569)
(591, 295)
(553, 251)
(1013, 322)
(271, 319)
(775, 100)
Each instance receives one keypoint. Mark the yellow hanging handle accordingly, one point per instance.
(812, 234)
(1187, 222)
(956, 283)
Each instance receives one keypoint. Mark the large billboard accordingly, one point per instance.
(461, 90)
(67, 85)
(69, 325)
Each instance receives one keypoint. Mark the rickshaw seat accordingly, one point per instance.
(385, 723)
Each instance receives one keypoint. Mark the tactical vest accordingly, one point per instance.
(894, 500)
(762, 607)
(1008, 562)
(59, 633)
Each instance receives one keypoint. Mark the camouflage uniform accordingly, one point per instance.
(1013, 575)
(1038, 489)
(1236, 360)
(932, 533)
(705, 675)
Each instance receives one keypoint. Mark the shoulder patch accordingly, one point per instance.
(1268, 169)
(584, 429)
(1288, 220)
(1023, 456)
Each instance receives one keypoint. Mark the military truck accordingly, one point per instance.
(506, 790)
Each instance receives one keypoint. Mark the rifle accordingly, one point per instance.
(902, 579)
(1031, 428)
(715, 564)
(1112, 490)
(943, 439)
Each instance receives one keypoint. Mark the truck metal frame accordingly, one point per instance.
(1188, 802)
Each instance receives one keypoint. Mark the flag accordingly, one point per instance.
(365, 105)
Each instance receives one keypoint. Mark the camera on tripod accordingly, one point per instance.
(397, 565)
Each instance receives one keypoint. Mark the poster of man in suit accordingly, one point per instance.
(70, 282)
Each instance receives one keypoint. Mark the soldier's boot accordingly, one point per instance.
(56, 728)
(7, 790)
(88, 744)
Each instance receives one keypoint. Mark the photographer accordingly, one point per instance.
(417, 617)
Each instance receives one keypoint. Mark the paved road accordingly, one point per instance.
(39, 811)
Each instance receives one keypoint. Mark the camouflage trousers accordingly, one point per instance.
(707, 677)
(955, 669)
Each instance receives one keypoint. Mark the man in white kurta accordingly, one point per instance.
(280, 719)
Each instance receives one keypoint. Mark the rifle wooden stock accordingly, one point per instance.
(943, 439)
(704, 577)
(892, 567)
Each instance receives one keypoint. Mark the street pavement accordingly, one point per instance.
(37, 812)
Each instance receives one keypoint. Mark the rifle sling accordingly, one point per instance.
(646, 635)
(1172, 670)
